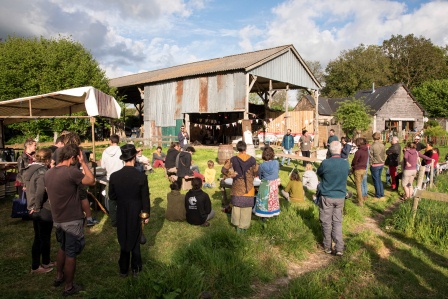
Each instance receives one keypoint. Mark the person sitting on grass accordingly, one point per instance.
(198, 205)
(294, 189)
(309, 178)
(175, 207)
(158, 158)
(142, 162)
(209, 175)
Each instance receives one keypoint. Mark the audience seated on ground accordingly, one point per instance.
(158, 158)
(175, 208)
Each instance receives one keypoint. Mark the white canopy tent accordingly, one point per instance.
(60, 104)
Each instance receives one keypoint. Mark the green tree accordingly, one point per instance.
(317, 70)
(433, 95)
(353, 115)
(356, 69)
(32, 66)
(414, 60)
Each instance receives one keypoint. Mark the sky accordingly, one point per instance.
(132, 36)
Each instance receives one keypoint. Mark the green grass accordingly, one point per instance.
(182, 261)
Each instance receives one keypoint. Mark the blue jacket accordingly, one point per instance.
(288, 142)
(333, 173)
(346, 151)
(268, 170)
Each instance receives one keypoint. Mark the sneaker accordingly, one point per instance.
(92, 222)
(328, 251)
(49, 265)
(74, 290)
(339, 253)
(41, 270)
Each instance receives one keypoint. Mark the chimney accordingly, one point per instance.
(373, 87)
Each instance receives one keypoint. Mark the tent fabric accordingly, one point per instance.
(65, 102)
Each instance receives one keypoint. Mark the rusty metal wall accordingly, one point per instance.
(166, 102)
(286, 68)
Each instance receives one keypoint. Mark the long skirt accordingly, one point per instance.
(267, 203)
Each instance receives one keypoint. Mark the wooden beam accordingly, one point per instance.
(42, 116)
(432, 195)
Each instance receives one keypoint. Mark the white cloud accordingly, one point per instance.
(321, 29)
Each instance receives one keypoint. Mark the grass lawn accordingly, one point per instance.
(183, 261)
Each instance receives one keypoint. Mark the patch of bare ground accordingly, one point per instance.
(318, 259)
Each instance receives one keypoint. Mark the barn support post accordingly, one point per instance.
(286, 110)
(315, 95)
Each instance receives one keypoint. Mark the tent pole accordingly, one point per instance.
(92, 121)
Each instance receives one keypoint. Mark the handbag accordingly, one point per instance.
(19, 207)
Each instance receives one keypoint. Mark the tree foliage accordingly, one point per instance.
(356, 69)
(401, 59)
(353, 115)
(414, 60)
(32, 66)
(433, 95)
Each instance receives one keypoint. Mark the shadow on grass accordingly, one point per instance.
(407, 272)
(156, 220)
(311, 221)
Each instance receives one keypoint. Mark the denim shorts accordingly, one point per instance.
(70, 236)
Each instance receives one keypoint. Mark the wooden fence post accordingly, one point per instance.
(421, 176)
(414, 207)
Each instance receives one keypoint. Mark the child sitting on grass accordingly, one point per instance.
(294, 189)
(209, 175)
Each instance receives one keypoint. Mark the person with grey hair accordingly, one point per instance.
(333, 173)
(392, 160)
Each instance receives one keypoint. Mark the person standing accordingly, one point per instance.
(128, 187)
(410, 160)
(305, 145)
(346, 147)
(267, 203)
(288, 145)
(242, 192)
(359, 167)
(198, 206)
(62, 183)
(23, 161)
(393, 156)
(333, 173)
(40, 211)
(110, 161)
(183, 137)
(377, 158)
(419, 145)
(330, 139)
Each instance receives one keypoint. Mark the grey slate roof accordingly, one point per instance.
(375, 99)
(244, 61)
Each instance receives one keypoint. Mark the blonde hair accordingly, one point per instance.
(309, 166)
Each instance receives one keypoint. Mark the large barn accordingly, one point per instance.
(211, 97)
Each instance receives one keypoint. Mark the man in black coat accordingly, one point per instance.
(129, 188)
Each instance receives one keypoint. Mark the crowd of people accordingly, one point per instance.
(55, 182)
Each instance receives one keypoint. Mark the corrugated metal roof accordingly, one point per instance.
(244, 61)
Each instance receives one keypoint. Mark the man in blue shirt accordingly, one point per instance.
(287, 144)
(333, 173)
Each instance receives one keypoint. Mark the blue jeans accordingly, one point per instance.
(376, 178)
(364, 188)
(286, 151)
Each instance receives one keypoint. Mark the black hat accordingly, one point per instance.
(128, 152)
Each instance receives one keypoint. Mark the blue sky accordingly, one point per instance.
(130, 36)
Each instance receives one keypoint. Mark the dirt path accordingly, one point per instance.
(319, 259)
